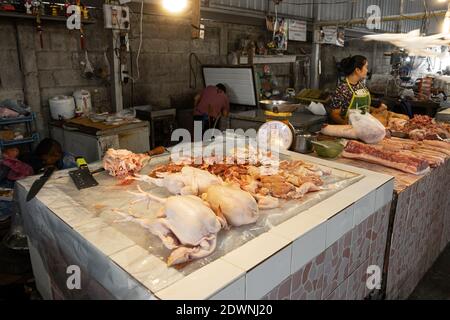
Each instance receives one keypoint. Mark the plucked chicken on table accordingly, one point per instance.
(185, 224)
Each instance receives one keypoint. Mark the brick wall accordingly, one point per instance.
(331, 54)
(164, 60)
(10, 74)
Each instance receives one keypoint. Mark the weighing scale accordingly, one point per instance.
(277, 128)
(242, 90)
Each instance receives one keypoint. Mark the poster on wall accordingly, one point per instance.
(297, 30)
(279, 27)
(331, 35)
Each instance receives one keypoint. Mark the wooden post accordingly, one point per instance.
(195, 25)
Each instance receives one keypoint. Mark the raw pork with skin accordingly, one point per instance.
(373, 154)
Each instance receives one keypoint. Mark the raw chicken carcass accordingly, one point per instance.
(185, 224)
(236, 206)
(123, 163)
(190, 181)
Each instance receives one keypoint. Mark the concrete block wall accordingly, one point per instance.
(163, 63)
(164, 66)
(34, 74)
(60, 63)
(10, 73)
(331, 54)
(164, 57)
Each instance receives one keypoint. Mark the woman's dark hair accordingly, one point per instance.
(48, 147)
(221, 87)
(349, 65)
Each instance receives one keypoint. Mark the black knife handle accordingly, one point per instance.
(49, 171)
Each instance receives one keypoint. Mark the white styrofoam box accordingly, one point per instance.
(203, 283)
(339, 225)
(364, 208)
(308, 246)
(235, 291)
(384, 194)
(269, 274)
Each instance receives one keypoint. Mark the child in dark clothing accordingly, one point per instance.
(49, 153)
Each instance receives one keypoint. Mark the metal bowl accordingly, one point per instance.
(278, 105)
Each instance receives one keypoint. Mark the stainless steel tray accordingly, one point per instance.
(278, 105)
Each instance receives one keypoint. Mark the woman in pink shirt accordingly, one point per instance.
(210, 105)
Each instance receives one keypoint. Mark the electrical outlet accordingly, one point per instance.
(116, 17)
(125, 77)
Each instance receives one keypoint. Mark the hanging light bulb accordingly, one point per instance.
(174, 6)
(446, 24)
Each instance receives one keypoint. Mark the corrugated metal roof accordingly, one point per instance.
(340, 10)
(297, 8)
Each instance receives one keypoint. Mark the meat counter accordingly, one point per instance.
(419, 228)
(324, 248)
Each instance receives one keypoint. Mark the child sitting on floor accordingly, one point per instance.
(11, 168)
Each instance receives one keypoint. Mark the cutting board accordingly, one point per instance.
(86, 122)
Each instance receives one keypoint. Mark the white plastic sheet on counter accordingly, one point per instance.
(96, 207)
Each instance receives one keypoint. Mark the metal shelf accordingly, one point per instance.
(6, 143)
(11, 14)
(6, 121)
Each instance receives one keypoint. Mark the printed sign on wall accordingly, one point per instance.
(297, 30)
(331, 35)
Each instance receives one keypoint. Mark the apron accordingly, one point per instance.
(360, 100)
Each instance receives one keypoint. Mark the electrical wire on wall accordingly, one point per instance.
(140, 41)
(132, 77)
(425, 21)
(193, 71)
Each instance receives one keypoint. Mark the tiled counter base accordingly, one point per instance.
(421, 230)
(420, 225)
(339, 272)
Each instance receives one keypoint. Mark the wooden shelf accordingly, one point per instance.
(19, 15)
(258, 59)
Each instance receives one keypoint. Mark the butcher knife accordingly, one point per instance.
(39, 183)
(82, 177)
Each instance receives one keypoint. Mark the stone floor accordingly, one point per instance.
(435, 285)
(16, 276)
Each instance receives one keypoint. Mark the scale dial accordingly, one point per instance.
(276, 132)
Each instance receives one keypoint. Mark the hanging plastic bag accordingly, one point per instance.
(367, 127)
(88, 70)
(317, 109)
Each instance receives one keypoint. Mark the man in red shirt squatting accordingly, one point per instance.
(210, 105)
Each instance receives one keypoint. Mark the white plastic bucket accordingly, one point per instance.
(82, 102)
(62, 107)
